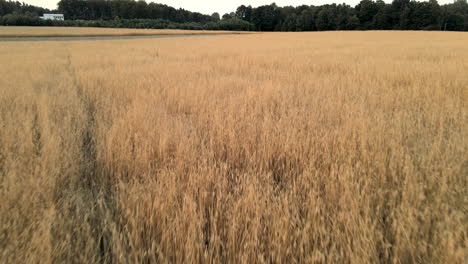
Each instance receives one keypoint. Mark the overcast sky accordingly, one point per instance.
(222, 6)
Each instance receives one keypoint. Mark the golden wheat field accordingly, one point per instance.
(331, 147)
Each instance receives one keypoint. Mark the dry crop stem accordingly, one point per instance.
(333, 147)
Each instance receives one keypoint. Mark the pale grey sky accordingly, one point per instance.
(222, 6)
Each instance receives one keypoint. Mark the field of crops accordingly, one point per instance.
(331, 147)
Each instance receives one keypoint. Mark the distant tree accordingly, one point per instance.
(426, 15)
(266, 18)
(366, 10)
(383, 17)
(215, 16)
(244, 12)
(406, 16)
(458, 18)
(140, 10)
(341, 14)
(241, 12)
(290, 23)
(353, 23)
(323, 20)
(455, 22)
(229, 16)
(396, 12)
(305, 21)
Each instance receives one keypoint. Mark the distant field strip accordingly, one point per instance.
(99, 32)
(80, 38)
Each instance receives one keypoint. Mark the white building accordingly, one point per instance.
(53, 17)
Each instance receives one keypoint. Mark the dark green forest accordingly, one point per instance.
(367, 15)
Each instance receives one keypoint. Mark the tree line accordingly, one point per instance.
(116, 14)
(127, 9)
(15, 7)
(367, 15)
